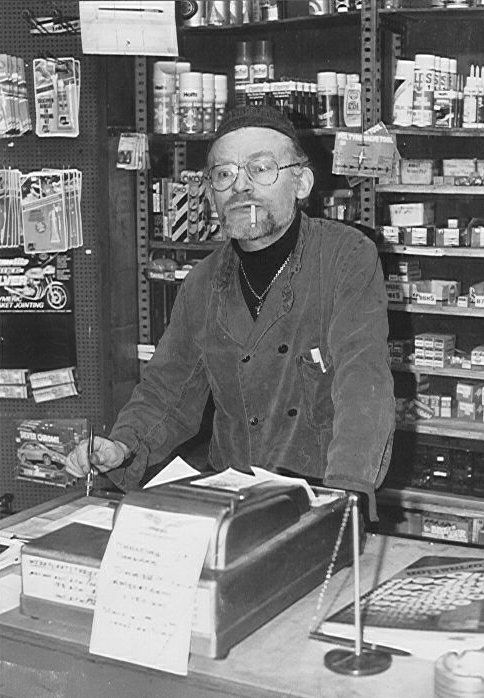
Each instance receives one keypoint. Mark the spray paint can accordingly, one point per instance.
(208, 102)
(327, 86)
(163, 89)
(218, 12)
(191, 102)
(220, 98)
(423, 90)
(403, 93)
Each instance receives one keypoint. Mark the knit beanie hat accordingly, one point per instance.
(260, 117)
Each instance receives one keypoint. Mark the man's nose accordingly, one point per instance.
(242, 181)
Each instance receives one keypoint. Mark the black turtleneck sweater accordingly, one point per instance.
(262, 265)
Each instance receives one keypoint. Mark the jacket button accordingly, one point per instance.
(282, 348)
(292, 412)
(245, 359)
(253, 421)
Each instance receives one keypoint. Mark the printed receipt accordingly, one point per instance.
(147, 585)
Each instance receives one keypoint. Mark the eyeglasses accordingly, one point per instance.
(264, 171)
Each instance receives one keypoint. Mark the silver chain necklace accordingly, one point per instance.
(261, 297)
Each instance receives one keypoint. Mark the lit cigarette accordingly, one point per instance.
(318, 359)
(253, 215)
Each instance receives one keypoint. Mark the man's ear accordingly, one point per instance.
(305, 182)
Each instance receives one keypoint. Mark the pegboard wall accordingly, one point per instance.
(88, 153)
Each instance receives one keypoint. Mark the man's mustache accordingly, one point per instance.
(235, 201)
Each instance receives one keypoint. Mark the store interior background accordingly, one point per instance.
(109, 310)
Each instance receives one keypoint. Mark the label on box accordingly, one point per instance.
(479, 301)
(13, 376)
(390, 234)
(13, 392)
(463, 301)
(426, 298)
(434, 526)
(447, 237)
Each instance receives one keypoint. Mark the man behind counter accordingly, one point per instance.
(286, 324)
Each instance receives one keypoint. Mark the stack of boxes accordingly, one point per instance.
(400, 284)
(400, 350)
(434, 350)
(181, 212)
(469, 395)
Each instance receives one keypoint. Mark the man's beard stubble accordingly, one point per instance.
(265, 227)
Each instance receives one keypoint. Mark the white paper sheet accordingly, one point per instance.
(93, 515)
(177, 469)
(9, 551)
(146, 587)
(9, 592)
(141, 27)
(235, 480)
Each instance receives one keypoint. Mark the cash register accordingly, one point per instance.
(271, 544)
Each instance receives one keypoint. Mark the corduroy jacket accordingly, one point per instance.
(275, 405)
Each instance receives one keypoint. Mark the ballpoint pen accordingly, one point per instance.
(348, 642)
(90, 453)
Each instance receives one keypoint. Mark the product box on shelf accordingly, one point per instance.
(400, 291)
(467, 391)
(412, 214)
(435, 340)
(447, 237)
(419, 236)
(390, 234)
(477, 356)
(416, 171)
(432, 291)
(469, 411)
(474, 234)
(462, 167)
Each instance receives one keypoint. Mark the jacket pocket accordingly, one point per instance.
(316, 390)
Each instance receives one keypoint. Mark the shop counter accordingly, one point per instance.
(40, 659)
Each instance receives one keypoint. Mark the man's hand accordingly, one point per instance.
(107, 455)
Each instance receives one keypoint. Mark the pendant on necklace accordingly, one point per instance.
(258, 308)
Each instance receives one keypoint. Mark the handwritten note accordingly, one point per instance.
(147, 587)
(59, 581)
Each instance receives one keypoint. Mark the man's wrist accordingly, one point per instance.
(125, 449)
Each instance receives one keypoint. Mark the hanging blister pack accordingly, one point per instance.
(10, 216)
(51, 210)
(14, 111)
(43, 212)
(57, 89)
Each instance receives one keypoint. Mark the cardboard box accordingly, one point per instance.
(431, 291)
(412, 214)
(469, 411)
(477, 356)
(419, 235)
(390, 234)
(466, 391)
(462, 167)
(416, 171)
(435, 341)
(447, 237)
